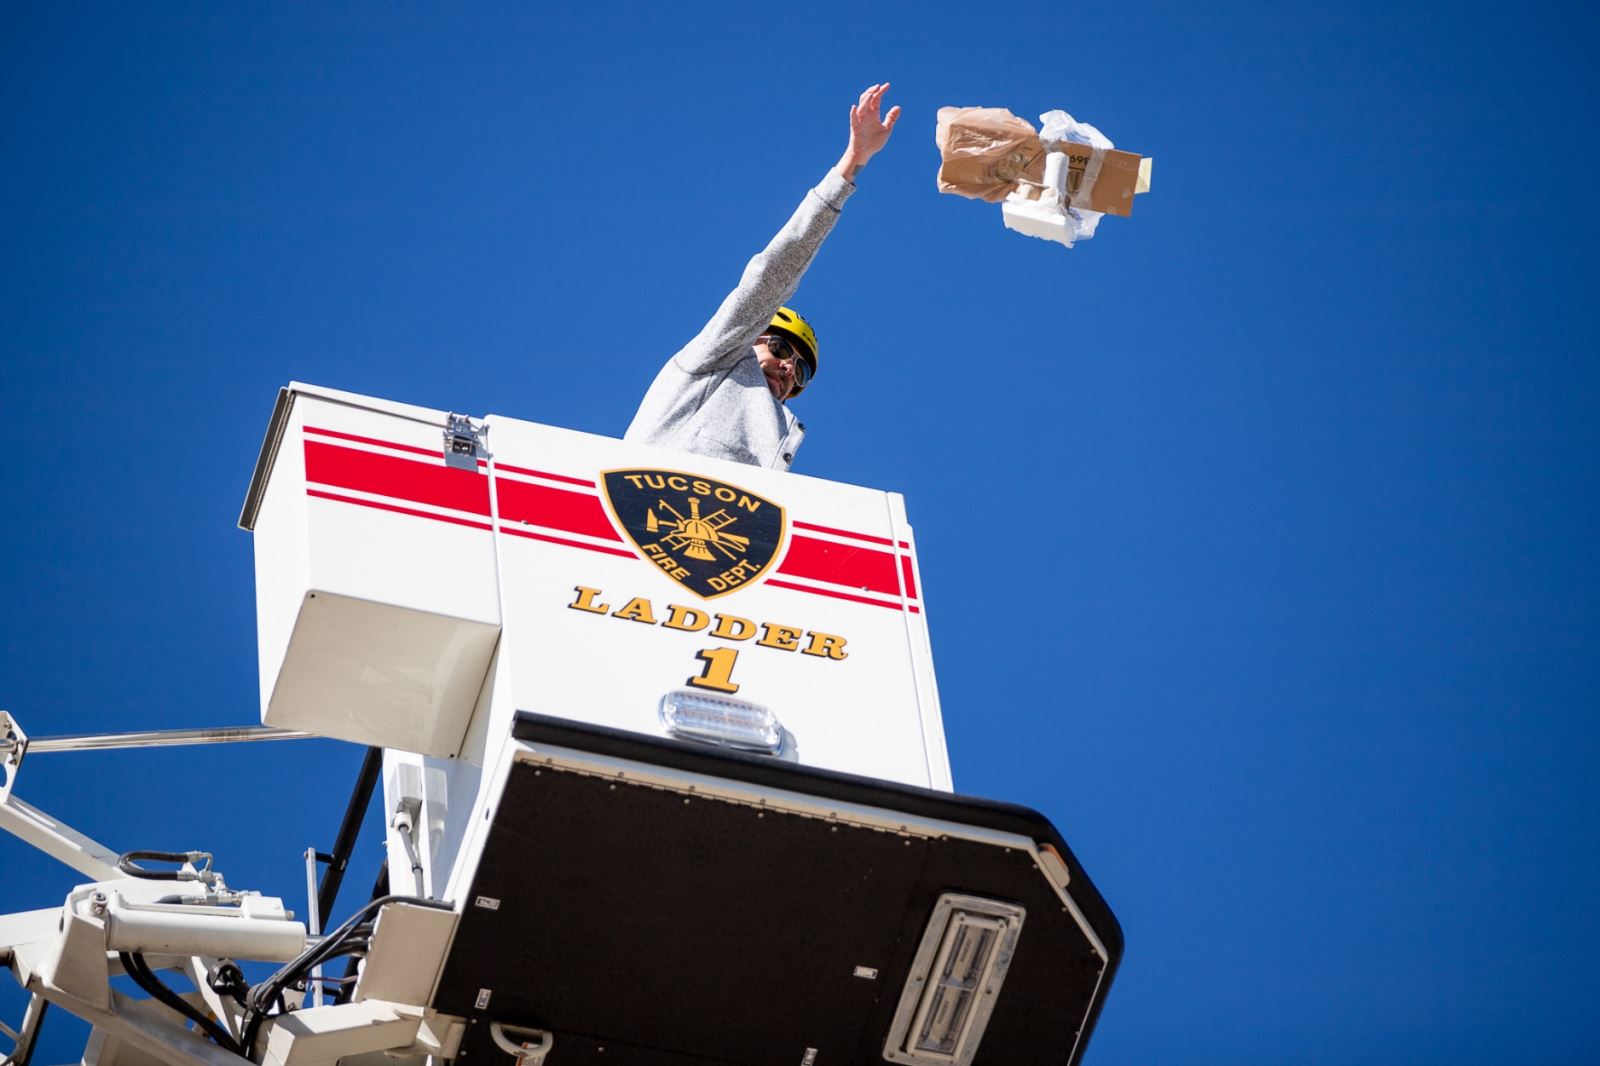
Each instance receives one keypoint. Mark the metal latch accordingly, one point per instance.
(463, 445)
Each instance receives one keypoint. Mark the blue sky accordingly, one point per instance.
(1258, 533)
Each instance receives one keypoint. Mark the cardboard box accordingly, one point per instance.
(987, 152)
(1102, 179)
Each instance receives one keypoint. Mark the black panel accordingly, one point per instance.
(832, 785)
(672, 932)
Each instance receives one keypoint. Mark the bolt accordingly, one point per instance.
(97, 903)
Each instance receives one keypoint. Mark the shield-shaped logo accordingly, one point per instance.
(709, 536)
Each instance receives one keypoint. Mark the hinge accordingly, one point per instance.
(463, 443)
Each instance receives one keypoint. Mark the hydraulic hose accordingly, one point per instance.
(146, 979)
(331, 946)
(128, 864)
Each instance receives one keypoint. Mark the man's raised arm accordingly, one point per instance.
(773, 275)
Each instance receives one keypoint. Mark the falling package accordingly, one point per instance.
(1055, 183)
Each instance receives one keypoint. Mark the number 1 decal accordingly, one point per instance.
(718, 669)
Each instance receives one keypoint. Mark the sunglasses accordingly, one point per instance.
(785, 351)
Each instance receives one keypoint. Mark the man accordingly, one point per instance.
(724, 394)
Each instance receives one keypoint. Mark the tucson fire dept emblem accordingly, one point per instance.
(709, 536)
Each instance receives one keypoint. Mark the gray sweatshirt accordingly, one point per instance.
(711, 398)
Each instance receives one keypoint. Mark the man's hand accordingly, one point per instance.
(868, 132)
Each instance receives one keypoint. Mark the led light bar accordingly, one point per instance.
(954, 981)
(721, 721)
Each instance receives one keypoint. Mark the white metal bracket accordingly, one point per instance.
(58, 840)
(463, 443)
(13, 746)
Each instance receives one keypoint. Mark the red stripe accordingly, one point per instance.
(544, 474)
(885, 541)
(397, 510)
(836, 595)
(841, 564)
(404, 479)
(562, 540)
(911, 582)
(544, 505)
(437, 452)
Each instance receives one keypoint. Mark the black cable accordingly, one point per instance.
(269, 992)
(293, 974)
(264, 994)
(146, 979)
(126, 863)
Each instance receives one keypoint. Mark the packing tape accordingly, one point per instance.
(1091, 173)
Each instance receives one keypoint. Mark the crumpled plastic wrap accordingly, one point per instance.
(984, 151)
(1058, 127)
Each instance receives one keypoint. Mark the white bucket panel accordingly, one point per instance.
(376, 594)
(376, 673)
(829, 635)
(798, 594)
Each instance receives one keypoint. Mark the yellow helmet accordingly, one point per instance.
(797, 329)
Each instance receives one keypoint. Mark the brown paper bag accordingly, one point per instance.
(985, 150)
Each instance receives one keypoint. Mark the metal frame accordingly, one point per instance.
(60, 840)
(22, 1040)
(161, 738)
